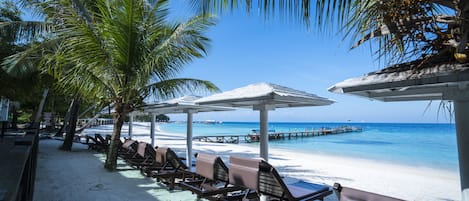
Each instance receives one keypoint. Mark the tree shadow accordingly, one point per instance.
(80, 175)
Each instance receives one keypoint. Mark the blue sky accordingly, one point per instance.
(248, 49)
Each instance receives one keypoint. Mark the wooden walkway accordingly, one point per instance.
(255, 137)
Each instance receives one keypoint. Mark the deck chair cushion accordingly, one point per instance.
(161, 154)
(127, 144)
(302, 189)
(244, 172)
(351, 194)
(271, 183)
(205, 165)
(141, 149)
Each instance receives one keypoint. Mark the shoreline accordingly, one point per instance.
(400, 157)
(396, 180)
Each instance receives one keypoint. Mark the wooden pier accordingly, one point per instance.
(255, 137)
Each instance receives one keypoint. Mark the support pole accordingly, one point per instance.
(152, 130)
(131, 122)
(189, 139)
(461, 109)
(264, 138)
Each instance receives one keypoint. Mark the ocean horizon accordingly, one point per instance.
(431, 145)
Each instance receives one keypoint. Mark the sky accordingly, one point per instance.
(247, 49)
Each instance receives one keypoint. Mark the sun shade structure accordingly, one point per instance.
(183, 104)
(264, 97)
(437, 82)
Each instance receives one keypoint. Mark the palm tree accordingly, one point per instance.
(123, 51)
(430, 30)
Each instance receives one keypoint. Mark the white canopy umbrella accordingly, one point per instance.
(437, 82)
(183, 104)
(264, 97)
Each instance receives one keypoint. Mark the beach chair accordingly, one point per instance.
(272, 184)
(245, 172)
(127, 149)
(173, 168)
(259, 175)
(147, 159)
(214, 184)
(142, 157)
(93, 143)
(102, 143)
(351, 194)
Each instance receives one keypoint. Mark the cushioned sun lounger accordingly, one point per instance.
(97, 143)
(141, 157)
(257, 174)
(214, 183)
(351, 194)
(272, 184)
(128, 149)
(173, 168)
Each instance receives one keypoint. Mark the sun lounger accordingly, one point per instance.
(139, 157)
(245, 172)
(102, 143)
(214, 183)
(172, 169)
(257, 174)
(95, 143)
(128, 149)
(351, 194)
(272, 184)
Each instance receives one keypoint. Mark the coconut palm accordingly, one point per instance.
(404, 30)
(123, 51)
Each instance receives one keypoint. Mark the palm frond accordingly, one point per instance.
(176, 87)
(176, 46)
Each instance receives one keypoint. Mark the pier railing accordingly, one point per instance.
(255, 137)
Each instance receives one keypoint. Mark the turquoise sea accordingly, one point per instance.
(428, 145)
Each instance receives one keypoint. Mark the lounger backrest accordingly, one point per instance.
(174, 160)
(351, 194)
(161, 154)
(127, 144)
(150, 152)
(141, 148)
(244, 172)
(221, 171)
(205, 165)
(100, 138)
(211, 167)
(270, 182)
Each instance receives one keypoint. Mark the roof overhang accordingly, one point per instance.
(180, 105)
(264, 94)
(442, 82)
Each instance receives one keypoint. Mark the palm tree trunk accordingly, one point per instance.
(68, 142)
(37, 118)
(64, 127)
(463, 14)
(119, 117)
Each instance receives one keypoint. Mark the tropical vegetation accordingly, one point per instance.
(120, 51)
(430, 31)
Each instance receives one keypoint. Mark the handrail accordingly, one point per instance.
(18, 161)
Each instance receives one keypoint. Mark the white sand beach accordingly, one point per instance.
(81, 173)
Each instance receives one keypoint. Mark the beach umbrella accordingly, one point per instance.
(410, 82)
(185, 105)
(264, 97)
